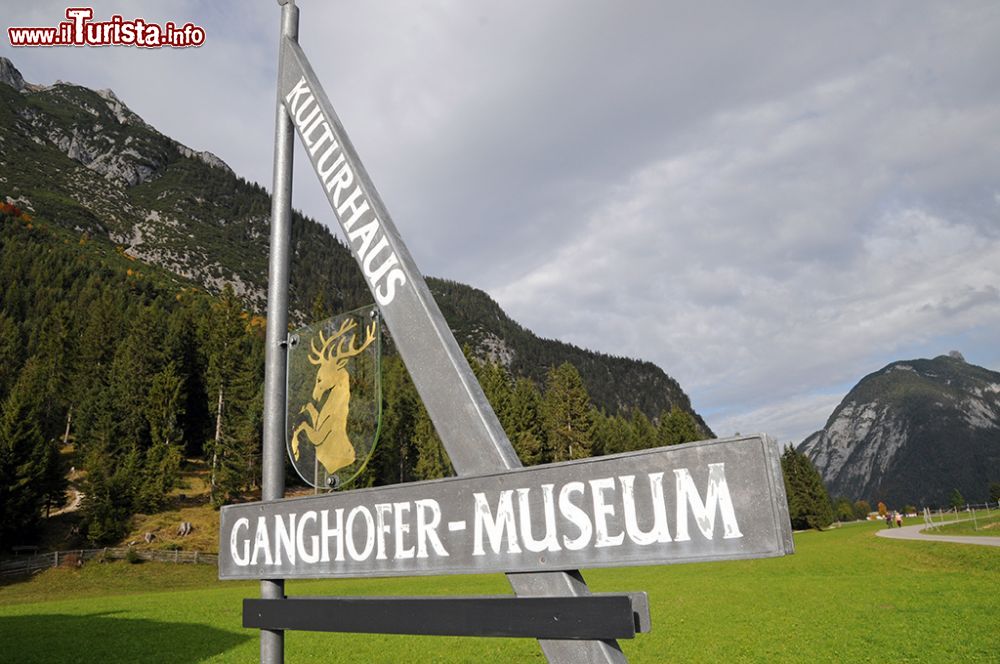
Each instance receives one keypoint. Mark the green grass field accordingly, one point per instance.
(845, 596)
(986, 524)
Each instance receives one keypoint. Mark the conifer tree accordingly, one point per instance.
(496, 385)
(643, 431)
(393, 459)
(225, 347)
(565, 415)
(10, 353)
(676, 427)
(525, 421)
(808, 500)
(432, 460)
(22, 458)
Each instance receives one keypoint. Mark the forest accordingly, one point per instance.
(142, 372)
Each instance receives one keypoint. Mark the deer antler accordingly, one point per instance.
(352, 350)
(318, 356)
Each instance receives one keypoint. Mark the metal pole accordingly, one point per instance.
(272, 642)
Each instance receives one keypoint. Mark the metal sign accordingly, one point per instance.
(712, 500)
(462, 416)
(726, 497)
(334, 397)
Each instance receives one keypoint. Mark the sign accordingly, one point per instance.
(334, 397)
(711, 500)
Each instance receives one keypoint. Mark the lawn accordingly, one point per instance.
(844, 596)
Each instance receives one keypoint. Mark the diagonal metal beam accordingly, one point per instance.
(462, 416)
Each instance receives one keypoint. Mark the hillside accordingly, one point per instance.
(82, 159)
(912, 433)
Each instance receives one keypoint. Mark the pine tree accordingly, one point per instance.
(109, 493)
(643, 431)
(524, 420)
(239, 463)
(676, 427)
(432, 460)
(808, 501)
(161, 461)
(22, 456)
(496, 384)
(565, 415)
(225, 348)
(393, 458)
(10, 353)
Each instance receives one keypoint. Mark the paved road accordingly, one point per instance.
(913, 533)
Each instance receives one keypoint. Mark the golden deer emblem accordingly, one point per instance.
(325, 425)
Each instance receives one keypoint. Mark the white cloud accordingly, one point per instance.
(769, 203)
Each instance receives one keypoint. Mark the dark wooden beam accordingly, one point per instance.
(601, 616)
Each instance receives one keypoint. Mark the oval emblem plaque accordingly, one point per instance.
(334, 397)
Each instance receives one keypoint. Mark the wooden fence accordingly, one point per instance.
(76, 558)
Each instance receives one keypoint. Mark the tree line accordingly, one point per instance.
(139, 372)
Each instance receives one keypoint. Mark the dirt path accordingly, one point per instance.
(913, 533)
(74, 504)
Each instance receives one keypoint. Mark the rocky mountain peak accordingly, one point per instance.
(912, 432)
(10, 75)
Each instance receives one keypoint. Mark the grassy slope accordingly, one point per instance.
(844, 596)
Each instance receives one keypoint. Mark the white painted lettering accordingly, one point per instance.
(284, 535)
(261, 542)
(716, 496)
(241, 560)
(326, 532)
(351, 203)
(401, 530)
(365, 233)
(495, 526)
(292, 98)
(427, 528)
(369, 533)
(659, 533)
(385, 293)
(550, 542)
(327, 135)
(312, 555)
(575, 515)
(381, 510)
(602, 511)
(374, 274)
(325, 171)
(302, 119)
(339, 183)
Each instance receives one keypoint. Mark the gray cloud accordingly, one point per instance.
(768, 201)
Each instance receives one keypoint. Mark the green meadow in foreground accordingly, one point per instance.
(844, 596)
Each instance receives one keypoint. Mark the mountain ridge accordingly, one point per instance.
(97, 168)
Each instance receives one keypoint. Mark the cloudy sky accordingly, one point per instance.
(768, 200)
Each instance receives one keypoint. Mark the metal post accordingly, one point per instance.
(272, 642)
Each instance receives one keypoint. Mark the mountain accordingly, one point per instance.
(912, 433)
(83, 160)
